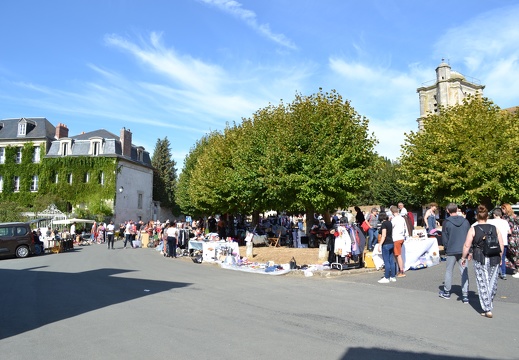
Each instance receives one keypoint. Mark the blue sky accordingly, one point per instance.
(181, 68)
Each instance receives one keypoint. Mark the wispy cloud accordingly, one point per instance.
(385, 96)
(249, 17)
(485, 48)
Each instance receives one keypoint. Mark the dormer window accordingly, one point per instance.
(96, 146)
(22, 128)
(65, 147)
(140, 153)
(25, 126)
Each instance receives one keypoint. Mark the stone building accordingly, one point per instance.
(98, 167)
(131, 194)
(448, 89)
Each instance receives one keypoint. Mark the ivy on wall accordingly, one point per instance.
(84, 180)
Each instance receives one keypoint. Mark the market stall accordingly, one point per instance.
(420, 252)
(214, 250)
(417, 252)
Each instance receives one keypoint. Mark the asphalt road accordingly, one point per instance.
(94, 303)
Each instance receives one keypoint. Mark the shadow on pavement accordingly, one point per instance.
(386, 354)
(31, 298)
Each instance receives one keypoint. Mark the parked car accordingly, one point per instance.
(16, 239)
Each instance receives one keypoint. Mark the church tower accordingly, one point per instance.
(449, 89)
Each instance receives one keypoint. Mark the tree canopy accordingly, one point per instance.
(465, 154)
(312, 153)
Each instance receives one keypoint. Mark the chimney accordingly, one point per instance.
(126, 142)
(61, 131)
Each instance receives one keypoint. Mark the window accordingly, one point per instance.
(102, 178)
(140, 153)
(16, 184)
(69, 178)
(18, 159)
(36, 155)
(34, 183)
(139, 201)
(64, 149)
(22, 127)
(1, 183)
(2, 155)
(96, 145)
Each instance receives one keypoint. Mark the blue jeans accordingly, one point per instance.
(172, 246)
(503, 261)
(372, 237)
(389, 260)
(128, 239)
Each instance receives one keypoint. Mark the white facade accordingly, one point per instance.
(134, 194)
(449, 89)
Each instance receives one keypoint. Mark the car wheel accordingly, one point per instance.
(22, 251)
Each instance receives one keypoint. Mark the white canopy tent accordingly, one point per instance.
(71, 221)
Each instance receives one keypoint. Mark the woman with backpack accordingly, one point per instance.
(486, 263)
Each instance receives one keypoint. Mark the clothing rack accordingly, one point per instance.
(352, 258)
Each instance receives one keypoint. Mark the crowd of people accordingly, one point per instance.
(463, 237)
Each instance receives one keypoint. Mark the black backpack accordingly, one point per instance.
(490, 243)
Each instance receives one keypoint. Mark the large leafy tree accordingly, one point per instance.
(328, 152)
(164, 174)
(186, 195)
(314, 153)
(467, 154)
(386, 187)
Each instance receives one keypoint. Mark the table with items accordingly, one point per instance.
(214, 250)
(417, 253)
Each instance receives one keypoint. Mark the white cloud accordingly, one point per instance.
(249, 17)
(485, 48)
(385, 96)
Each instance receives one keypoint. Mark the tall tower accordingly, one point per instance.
(449, 89)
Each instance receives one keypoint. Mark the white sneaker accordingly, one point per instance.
(516, 275)
(392, 279)
(384, 280)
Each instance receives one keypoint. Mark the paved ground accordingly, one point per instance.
(95, 303)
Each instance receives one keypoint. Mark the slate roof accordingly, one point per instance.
(42, 129)
(111, 147)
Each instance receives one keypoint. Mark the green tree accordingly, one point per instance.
(326, 153)
(185, 195)
(386, 187)
(164, 174)
(467, 154)
(12, 211)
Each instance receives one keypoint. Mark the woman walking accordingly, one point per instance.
(385, 245)
(485, 267)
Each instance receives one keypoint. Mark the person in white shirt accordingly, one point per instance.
(402, 209)
(110, 234)
(503, 227)
(399, 234)
(73, 231)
